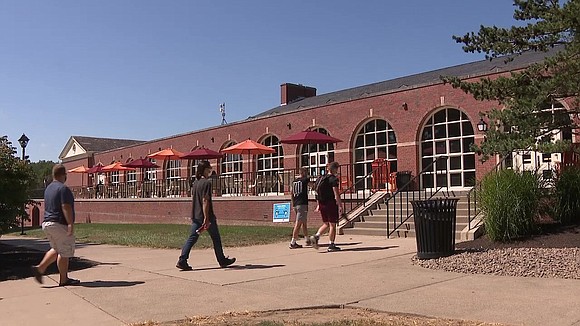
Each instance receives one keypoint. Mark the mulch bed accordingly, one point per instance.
(549, 235)
(15, 262)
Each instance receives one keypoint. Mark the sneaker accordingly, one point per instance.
(37, 274)
(333, 247)
(227, 262)
(314, 241)
(295, 246)
(70, 281)
(183, 266)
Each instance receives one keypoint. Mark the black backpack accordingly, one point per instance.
(323, 189)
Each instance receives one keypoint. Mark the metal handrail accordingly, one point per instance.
(405, 209)
(351, 196)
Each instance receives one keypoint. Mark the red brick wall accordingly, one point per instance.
(229, 210)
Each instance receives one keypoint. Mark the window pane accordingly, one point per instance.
(467, 142)
(453, 115)
(359, 155)
(440, 147)
(425, 162)
(382, 138)
(455, 163)
(392, 137)
(439, 116)
(456, 179)
(440, 131)
(469, 162)
(370, 127)
(381, 125)
(454, 129)
(455, 146)
(427, 180)
(427, 148)
(360, 142)
(382, 152)
(467, 128)
(370, 140)
(370, 154)
(441, 180)
(427, 133)
(392, 152)
(469, 179)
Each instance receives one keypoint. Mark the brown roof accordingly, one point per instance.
(94, 144)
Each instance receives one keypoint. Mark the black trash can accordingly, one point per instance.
(435, 227)
(403, 178)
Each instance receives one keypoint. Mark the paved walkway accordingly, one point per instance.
(136, 284)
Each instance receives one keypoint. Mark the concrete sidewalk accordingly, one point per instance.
(136, 284)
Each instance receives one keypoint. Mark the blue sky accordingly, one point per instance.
(140, 69)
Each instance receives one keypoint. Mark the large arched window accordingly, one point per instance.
(270, 168)
(448, 132)
(376, 139)
(231, 172)
(316, 156)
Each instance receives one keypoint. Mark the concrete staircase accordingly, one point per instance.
(373, 220)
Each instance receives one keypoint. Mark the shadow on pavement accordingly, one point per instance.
(369, 248)
(241, 267)
(109, 284)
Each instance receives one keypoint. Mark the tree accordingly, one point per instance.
(42, 172)
(16, 179)
(518, 123)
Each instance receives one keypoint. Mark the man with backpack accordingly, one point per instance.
(329, 205)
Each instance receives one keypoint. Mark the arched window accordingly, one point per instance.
(376, 139)
(231, 172)
(316, 156)
(270, 167)
(448, 132)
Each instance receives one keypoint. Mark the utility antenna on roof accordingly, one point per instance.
(223, 111)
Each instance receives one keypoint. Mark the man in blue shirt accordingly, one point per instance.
(58, 225)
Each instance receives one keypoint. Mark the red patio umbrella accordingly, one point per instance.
(310, 137)
(202, 153)
(249, 147)
(116, 167)
(141, 163)
(166, 154)
(98, 168)
(80, 169)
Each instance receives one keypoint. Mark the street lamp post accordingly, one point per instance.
(23, 140)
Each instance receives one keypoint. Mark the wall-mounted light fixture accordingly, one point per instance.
(289, 125)
(405, 106)
(212, 140)
(482, 125)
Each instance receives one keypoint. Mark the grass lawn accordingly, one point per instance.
(172, 235)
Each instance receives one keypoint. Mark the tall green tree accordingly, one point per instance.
(518, 122)
(42, 172)
(16, 180)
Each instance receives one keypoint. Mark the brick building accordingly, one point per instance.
(407, 121)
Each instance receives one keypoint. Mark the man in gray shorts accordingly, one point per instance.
(300, 204)
(58, 225)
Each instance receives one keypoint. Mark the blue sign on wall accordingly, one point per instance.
(282, 212)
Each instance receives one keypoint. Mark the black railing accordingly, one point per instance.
(398, 206)
(358, 194)
(473, 209)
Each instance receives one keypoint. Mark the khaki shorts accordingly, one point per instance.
(60, 241)
(301, 212)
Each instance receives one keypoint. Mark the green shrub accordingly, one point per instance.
(567, 196)
(509, 201)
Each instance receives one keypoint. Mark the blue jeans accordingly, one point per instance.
(214, 233)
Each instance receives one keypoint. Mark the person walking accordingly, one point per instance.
(58, 225)
(203, 218)
(329, 205)
(300, 204)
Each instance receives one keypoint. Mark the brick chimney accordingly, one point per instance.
(292, 92)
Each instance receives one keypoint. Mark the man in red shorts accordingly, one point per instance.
(329, 205)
